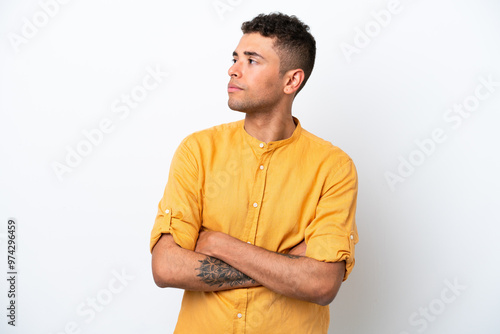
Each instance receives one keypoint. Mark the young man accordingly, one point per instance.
(257, 219)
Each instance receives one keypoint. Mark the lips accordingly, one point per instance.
(233, 88)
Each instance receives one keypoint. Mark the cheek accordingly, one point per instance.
(264, 84)
(271, 84)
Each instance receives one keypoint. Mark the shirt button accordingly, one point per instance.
(248, 242)
(255, 205)
(239, 315)
(261, 167)
(352, 237)
(167, 211)
(261, 145)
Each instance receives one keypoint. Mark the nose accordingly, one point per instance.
(234, 70)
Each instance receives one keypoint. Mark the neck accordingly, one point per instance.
(268, 127)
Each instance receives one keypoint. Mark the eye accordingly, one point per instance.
(233, 61)
(251, 61)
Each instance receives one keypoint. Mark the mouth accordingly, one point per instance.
(231, 88)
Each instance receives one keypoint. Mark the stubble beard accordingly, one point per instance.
(240, 106)
(249, 106)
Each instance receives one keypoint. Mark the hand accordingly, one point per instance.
(208, 242)
(299, 249)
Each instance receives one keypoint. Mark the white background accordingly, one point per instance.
(437, 227)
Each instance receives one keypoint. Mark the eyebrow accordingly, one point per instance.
(248, 53)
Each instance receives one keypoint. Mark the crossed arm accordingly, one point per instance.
(221, 262)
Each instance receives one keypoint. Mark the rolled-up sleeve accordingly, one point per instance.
(332, 234)
(179, 210)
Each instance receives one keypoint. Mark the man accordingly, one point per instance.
(257, 220)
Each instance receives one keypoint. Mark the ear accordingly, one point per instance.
(293, 80)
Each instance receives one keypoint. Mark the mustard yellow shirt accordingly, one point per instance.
(273, 195)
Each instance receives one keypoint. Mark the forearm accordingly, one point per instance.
(298, 277)
(174, 266)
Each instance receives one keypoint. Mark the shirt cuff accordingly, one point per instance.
(333, 248)
(165, 223)
(162, 225)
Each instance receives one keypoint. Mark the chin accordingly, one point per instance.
(235, 106)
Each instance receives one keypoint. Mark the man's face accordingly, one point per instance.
(256, 84)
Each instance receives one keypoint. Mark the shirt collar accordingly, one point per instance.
(257, 144)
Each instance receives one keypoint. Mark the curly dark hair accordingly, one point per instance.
(294, 44)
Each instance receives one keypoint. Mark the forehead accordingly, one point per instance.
(255, 42)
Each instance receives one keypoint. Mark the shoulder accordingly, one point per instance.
(325, 150)
(212, 134)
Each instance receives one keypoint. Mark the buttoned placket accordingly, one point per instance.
(258, 188)
(264, 154)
